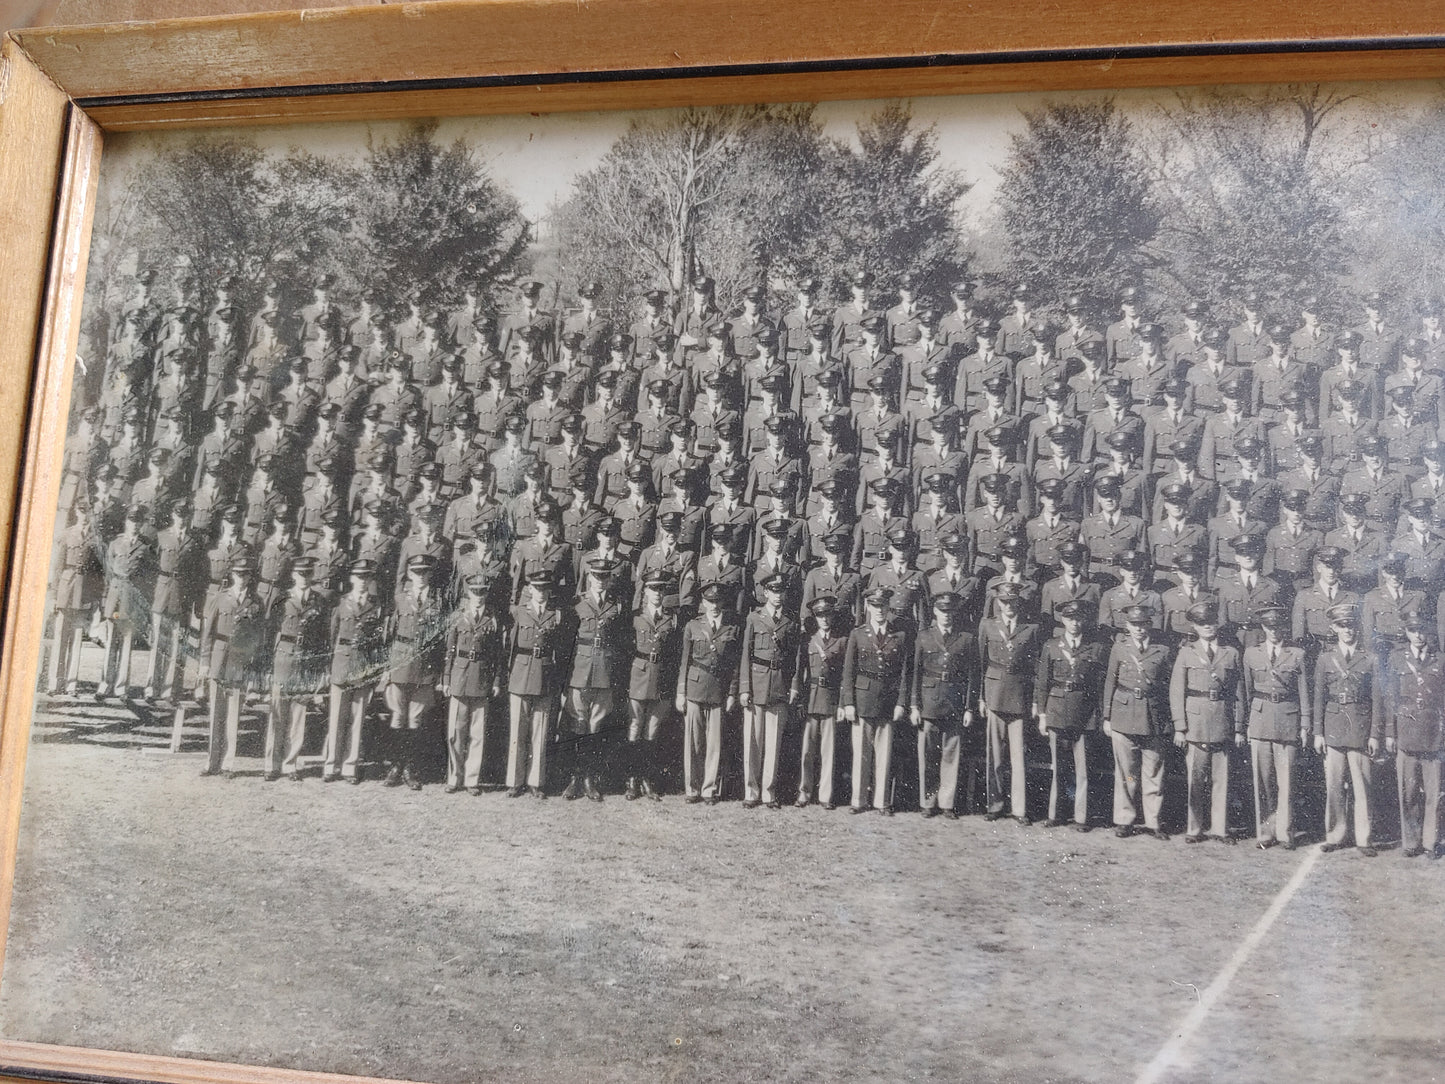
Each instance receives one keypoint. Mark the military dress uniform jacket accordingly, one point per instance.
(945, 675)
(300, 653)
(417, 639)
(78, 561)
(1414, 701)
(1276, 693)
(127, 561)
(599, 644)
(1346, 706)
(655, 646)
(473, 654)
(238, 632)
(769, 670)
(708, 668)
(875, 672)
(822, 675)
(1069, 682)
(1135, 697)
(1008, 661)
(1206, 693)
(533, 647)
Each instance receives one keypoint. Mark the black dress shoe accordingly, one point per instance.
(228, 776)
(354, 780)
(1158, 833)
(272, 777)
(649, 791)
(856, 809)
(516, 792)
(475, 792)
(693, 799)
(1051, 823)
(210, 771)
(1288, 844)
(410, 779)
(393, 777)
(775, 804)
(886, 810)
(571, 791)
(1224, 839)
(930, 812)
(1367, 851)
(537, 792)
(713, 800)
(1024, 821)
(830, 806)
(1265, 844)
(752, 803)
(1412, 852)
(951, 814)
(1080, 827)
(1124, 831)
(453, 788)
(801, 803)
(1193, 839)
(631, 793)
(1328, 848)
(296, 777)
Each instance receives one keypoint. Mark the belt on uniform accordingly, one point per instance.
(534, 651)
(344, 643)
(472, 654)
(870, 676)
(1140, 692)
(646, 656)
(401, 639)
(1205, 694)
(1276, 698)
(285, 639)
(1348, 703)
(1071, 687)
(761, 662)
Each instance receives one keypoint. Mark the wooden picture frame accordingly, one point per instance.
(63, 88)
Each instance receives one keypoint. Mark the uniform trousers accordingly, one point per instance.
(1207, 764)
(815, 775)
(408, 701)
(644, 724)
(282, 754)
(1272, 765)
(466, 734)
(527, 741)
(1419, 775)
(940, 746)
(589, 709)
(225, 725)
(115, 678)
(762, 736)
(1138, 778)
(342, 755)
(65, 650)
(163, 674)
(1069, 764)
(701, 748)
(872, 761)
(1359, 768)
(1005, 739)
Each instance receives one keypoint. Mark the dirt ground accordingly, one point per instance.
(452, 938)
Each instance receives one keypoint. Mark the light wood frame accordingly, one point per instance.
(62, 88)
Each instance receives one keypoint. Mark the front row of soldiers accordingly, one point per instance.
(967, 682)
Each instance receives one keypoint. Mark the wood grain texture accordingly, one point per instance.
(818, 86)
(32, 133)
(466, 38)
(44, 438)
(16, 1057)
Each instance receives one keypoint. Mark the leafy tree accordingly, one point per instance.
(430, 221)
(1076, 201)
(1249, 202)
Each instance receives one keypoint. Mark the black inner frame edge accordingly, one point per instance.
(709, 71)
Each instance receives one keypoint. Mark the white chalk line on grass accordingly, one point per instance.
(1169, 1053)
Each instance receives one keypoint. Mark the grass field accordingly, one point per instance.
(456, 938)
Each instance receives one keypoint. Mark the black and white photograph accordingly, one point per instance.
(935, 589)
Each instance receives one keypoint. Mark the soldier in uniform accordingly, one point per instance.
(416, 631)
(656, 636)
(943, 690)
(78, 582)
(534, 648)
(1275, 690)
(471, 681)
(821, 678)
(599, 647)
(873, 696)
(1066, 703)
(768, 689)
(1206, 694)
(235, 628)
(707, 685)
(1413, 699)
(299, 624)
(1347, 728)
(1008, 656)
(126, 597)
(1135, 707)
